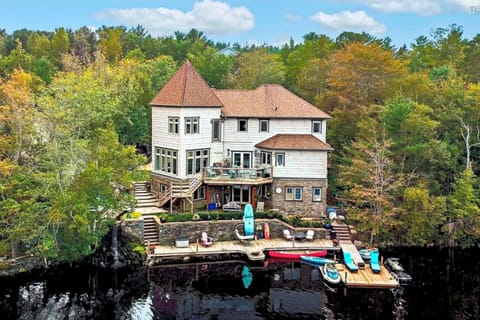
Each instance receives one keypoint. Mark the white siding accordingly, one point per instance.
(181, 141)
(302, 164)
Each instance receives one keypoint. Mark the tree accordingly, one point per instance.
(370, 180)
(256, 68)
(215, 68)
(463, 210)
(422, 217)
(363, 74)
(110, 43)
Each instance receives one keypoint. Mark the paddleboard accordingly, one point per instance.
(248, 221)
(266, 231)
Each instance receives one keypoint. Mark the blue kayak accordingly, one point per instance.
(318, 261)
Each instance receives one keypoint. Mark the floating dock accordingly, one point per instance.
(366, 278)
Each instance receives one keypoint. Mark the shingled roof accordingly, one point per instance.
(186, 88)
(268, 101)
(294, 142)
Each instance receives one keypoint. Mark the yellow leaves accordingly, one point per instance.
(364, 73)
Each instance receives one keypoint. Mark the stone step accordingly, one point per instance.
(145, 197)
(146, 204)
(142, 193)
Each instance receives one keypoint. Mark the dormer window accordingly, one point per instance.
(317, 126)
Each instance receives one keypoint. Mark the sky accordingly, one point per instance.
(271, 22)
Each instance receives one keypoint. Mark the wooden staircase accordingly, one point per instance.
(181, 190)
(342, 230)
(143, 195)
(150, 231)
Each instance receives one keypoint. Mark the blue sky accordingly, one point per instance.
(253, 21)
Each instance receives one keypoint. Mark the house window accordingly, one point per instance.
(266, 158)
(316, 194)
(293, 193)
(192, 125)
(197, 159)
(173, 124)
(265, 191)
(280, 159)
(243, 125)
(199, 194)
(241, 193)
(216, 130)
(264, 125)
(166, 160)
(317, 126)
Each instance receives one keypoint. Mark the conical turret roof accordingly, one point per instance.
(186, 88)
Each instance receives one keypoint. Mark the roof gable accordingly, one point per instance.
(186, 88)
(294, 142)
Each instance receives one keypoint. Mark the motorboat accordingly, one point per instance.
(330, 273)
(397, 271)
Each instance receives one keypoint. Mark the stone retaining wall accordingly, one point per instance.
(219, 230)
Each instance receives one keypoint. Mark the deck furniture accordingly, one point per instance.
(310, 234)
(374, 264)
(181, 242)
(286, 234)
(347, 259)
(231, 206)
(299, 235)
(206, 240)
(260, 206)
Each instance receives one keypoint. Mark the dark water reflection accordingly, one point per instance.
(446, 286)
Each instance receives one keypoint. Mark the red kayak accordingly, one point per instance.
(295, 255)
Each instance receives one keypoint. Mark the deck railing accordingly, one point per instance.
(229, 174)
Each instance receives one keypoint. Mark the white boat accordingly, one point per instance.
(397, 271)
(330, 273)
(394, 264)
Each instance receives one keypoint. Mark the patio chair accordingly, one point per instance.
(347, 259)
(374, 264)
(310, 234)
(260, 206)
(206, 240)
(287, 235)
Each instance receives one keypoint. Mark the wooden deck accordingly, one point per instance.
(366, 278)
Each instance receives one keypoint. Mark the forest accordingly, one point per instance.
(74, 108)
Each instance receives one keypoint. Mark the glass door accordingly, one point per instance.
(242, 159)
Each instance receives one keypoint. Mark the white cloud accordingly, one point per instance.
(293, 17)
(357, 21)
(472, 6)
(210, 16)
(422, 7)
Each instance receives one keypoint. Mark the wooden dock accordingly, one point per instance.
(366, 278)
(253, 250)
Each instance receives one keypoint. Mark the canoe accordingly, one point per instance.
(318, 261)
(330, 273)
(295, 255)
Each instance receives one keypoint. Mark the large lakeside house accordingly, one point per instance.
(214, 147)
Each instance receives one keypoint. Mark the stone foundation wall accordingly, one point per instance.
(222, 230)
(306, 207)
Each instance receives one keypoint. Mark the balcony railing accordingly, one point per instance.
(220, 174)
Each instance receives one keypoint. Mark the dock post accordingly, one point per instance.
(197, 245)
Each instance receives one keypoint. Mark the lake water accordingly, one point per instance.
(446, 285)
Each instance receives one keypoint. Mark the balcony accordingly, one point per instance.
(230, 176)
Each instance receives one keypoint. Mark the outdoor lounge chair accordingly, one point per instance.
(347, 258)
(374, 265)
(206, 240)
(260, 206)
(287, 235)
(310, 234)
